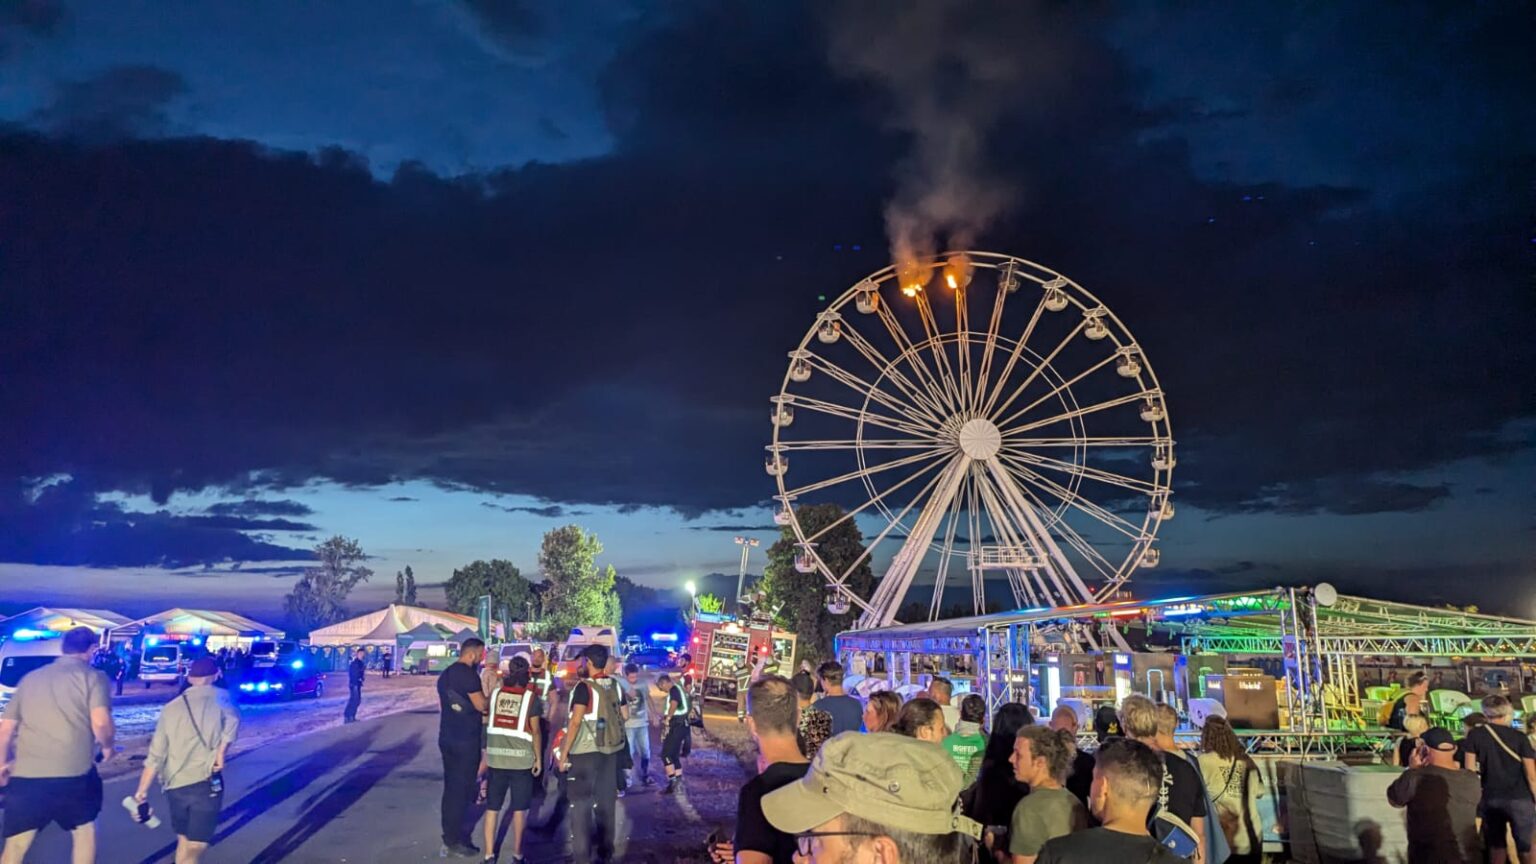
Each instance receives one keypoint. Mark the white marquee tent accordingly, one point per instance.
(382, 627)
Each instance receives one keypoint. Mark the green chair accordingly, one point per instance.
(1443, 708)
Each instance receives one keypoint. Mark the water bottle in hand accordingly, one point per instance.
(215, 783)
(141, 813)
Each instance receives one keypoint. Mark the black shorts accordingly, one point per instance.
(33, 803)
(194, 813)
(513, 783)
(1518, 814)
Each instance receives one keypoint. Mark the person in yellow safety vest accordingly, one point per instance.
(543, 680)
(513, 751)
(677, 732)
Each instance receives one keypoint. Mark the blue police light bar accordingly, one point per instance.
(24, 634)
(151, 640)
(297, 664)
(262, 687)
(197, 640)
(663, 637)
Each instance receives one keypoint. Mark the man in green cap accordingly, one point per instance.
(878, 797)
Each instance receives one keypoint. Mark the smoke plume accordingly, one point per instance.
(949, 70)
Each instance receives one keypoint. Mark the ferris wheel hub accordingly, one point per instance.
(980, 439)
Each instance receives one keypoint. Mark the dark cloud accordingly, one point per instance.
(607, 332)
(736, 529)
(120, 102)
(22, 21)
(404, 498)
(255, 507)
(549, 511)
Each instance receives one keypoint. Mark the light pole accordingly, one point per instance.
(693, 596)
(746, 544)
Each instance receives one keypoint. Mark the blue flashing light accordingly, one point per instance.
(24, 634)
(277, 686)
(247, 686)
(151, 641)
(663, 637)
(297, 664)
(197, 640)
(262, 687)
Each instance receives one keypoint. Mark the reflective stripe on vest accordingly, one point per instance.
(591, 715)
(515, 731)
(682, 707)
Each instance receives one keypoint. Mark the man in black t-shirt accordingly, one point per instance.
(1126, 777)
(355, 672)
(463, 707)
(1181, 791)
(1507, 763)
(772, 718)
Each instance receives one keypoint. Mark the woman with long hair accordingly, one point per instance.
(991, 799)
(815, 724)
(1235, 785)
(922, 719)
(881, 710)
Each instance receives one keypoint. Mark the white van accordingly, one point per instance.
(20, 656)
(165, 662)
(577, 642)
(500, 656)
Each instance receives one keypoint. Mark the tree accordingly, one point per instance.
(399, 587)
(410, 586)
(500, 579)
(801, 597)
(711, 604)
(578, 594)
(319, 597)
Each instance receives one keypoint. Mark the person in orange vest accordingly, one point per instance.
(512, 753)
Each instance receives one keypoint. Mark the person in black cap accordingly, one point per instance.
(1441, 801)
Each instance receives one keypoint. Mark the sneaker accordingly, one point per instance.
(622, 791)
(464, 850)
(669, 788)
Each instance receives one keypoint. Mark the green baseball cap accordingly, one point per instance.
(885, 778)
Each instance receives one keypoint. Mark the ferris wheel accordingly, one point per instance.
(983, 420)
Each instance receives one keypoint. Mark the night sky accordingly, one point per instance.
(441, 276)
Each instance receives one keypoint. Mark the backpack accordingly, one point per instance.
(1172, 832)
(603, 719)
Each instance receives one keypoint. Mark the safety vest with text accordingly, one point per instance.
(509, 728)
(602, 726)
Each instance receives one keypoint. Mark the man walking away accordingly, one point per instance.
(191, 740)
(59, 723)
(1126, 777)
(879, 797)
(637, 725)
(463, 707)
(1507, 764)
(847, 711)
(772, 720)
(355, 672)
(594, 737)
(512, 753)
(1178, 819)
(1441, 801)
(942, 690)
(676, 733)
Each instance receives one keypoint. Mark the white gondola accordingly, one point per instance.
(1152, 410)
(1095, 329)
(1162, 458)
(1150, 557)
(781, 516)
(837, 602)
(805, 562)
(800, 370)
(1055, 299)
(867, 300)
(776, 465)
(831, 329)
(1127, 367)
(1167, 511)
(782, 416)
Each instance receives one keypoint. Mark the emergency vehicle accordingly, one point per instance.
(721, 644)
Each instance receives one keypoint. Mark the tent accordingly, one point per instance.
(216, 629)
(385, 627)
(58, 620)
(464, 634)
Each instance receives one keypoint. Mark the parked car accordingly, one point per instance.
(501, 655)
(282, 681)
(20, 656)
(654, 656)
(266, 652)
(166, 663)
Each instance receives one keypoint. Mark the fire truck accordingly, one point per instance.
(721, 644)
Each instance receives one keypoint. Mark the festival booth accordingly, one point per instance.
(1300, 672)
(47, 621)
(394, 628)
(199, 628)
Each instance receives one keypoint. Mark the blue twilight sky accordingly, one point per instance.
(443, 275)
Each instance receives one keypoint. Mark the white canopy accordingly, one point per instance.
(382, 626)
(58, 619)
(200, 622)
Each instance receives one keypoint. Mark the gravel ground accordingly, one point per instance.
(264, 722)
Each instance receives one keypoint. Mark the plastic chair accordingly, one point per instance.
(1443, 705)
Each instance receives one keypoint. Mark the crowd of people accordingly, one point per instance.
(923, 780)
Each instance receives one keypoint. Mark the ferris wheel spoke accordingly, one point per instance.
(1078, 412)
(946, 555)
(918, 396)
(1132, 483)
(1013, 357)
(869, 547)
(895, 424)
(1067, 496)
(1061, 571)
(876, 499)
(963, 345)
(1012, 528)
(860, 444)
(994, 323)
(936, 348)
(853, 382)
(1066, 384)
(1131, 441)
(864, 472)
(1039, 367)
(907, 350)
(1094, 558)
(909, 558)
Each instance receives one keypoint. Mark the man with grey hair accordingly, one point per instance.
(1507, 763)
(875, 797)
(1180, 804)
(59, 722)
